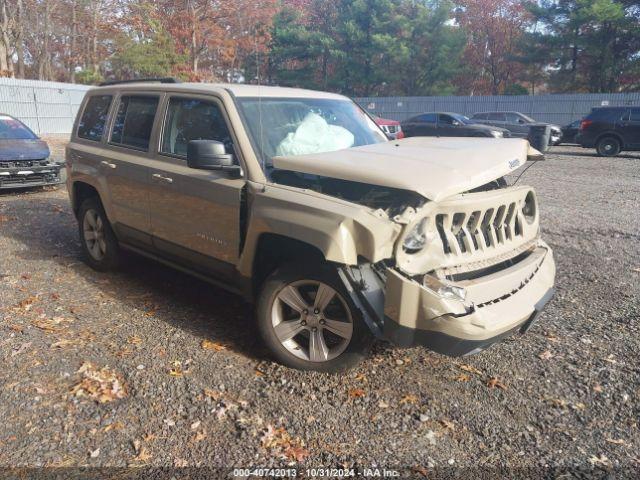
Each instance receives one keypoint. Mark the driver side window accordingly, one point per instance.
(192, 119)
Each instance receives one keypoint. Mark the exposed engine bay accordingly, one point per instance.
(393, 201)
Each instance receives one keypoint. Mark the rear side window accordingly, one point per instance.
(480, 116)
(635, 115)
(134, 121)
(192, 119)
(498, 117)
(427, 118)
(94, 117)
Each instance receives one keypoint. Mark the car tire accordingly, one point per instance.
(305, 332)
(608, 147)
(99, 244)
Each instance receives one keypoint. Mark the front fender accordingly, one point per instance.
(341, 230)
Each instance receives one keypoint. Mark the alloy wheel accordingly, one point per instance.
(93, 232)
(312, 320)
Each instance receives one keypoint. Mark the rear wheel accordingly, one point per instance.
(96, 236)
(308, 321)
(608, 147)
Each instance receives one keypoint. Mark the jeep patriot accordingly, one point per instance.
(296, 200)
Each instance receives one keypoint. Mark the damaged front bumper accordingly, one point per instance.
(496, 305)
(31, 176)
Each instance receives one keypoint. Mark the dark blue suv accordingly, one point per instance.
(611, 130)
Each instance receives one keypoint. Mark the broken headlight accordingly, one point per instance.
(416, 238)
(444, 288)
(529, 209)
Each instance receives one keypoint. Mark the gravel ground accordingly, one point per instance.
(149, 367)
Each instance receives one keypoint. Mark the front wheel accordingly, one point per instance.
(608, 147)
(307, 320)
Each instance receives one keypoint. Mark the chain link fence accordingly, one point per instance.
(559, 109)
(49, 108)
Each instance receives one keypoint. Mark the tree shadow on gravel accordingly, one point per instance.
(47, 228)
(591, 154)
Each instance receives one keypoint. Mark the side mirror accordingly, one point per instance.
(456, 123)
(209, 155)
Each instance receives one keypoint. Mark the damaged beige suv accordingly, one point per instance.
(296, 200)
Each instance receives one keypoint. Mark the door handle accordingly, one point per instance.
(107, 164)
(157, 176)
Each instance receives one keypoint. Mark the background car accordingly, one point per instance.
(391, 127)
(445, 124)
(24, 158)
(517, 123)
(570, 131)
(611, 130)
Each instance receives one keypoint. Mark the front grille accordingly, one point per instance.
(470, 231)
(22, 163)
(392, 128)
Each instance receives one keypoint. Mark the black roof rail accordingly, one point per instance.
(138, 80)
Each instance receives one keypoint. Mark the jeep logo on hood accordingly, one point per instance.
(514, 163)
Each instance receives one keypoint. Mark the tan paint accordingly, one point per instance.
(200, 211)
(414, 306)
(436, 168)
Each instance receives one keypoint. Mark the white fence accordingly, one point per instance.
(50, 107)
(46, 107)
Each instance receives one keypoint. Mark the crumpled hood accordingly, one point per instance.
(35, 149)
(434, 167)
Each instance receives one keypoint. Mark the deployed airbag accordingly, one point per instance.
(315, 135)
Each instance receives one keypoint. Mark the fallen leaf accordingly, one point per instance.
(216, 346)
(52, 325)
(602, 460)
(412, 399)
(598, 388)
(546, 355)
(421, 470)
(213, 394)
(23, 306)
(143, 456)
(195, 425)
(557, 402)
(200, 436)
(493, 382)
(94, 453)
(448, 424)
(65, 342)
(618, 441)
(357, 393)
(280, 442)
(102, 385)
(470, 369)
(463, 377)
(20, 349)
(361, 377)
(134, 340)
(114, 426)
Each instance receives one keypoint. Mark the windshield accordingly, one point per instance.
(462, 119)
(12, 129)
(527, 118)
(300, 126)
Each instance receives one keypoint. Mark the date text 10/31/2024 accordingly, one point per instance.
(373, 472)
